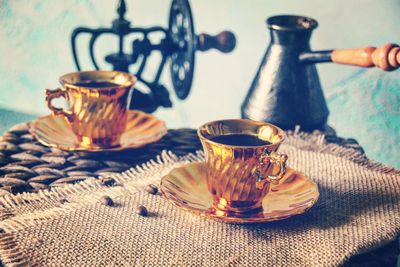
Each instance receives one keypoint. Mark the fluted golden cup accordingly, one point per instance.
(239, 177)
(97, 115)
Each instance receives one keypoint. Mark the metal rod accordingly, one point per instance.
(141, 67)
(149, 30)
(74, 35)
(160, 69)
(121, 44)
(316, 56)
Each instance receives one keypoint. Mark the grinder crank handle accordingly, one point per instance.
(225, 42)
(386, 57)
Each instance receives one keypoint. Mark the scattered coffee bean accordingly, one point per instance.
(141, 210)
(152, 189)
(107, 181)
(106, 200)
(62, 200)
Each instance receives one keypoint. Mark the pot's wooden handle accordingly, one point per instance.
(386, 57)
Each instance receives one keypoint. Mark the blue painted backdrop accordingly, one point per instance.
(365, 104)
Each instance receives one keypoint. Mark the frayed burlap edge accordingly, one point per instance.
(317, 143)
(11, 256)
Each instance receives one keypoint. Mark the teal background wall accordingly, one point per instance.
(364, 103)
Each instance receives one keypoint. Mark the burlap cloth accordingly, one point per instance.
(359, 209)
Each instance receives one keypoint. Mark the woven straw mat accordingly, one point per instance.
(358, 210)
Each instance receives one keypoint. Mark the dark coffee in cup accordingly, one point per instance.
(239, 140)
(97, 84)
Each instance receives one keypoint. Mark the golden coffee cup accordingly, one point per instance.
(98, 103)
(239, 175)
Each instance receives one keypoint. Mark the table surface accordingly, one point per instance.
(28, 166)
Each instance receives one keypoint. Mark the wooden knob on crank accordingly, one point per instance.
(224, 42)
(386, 57)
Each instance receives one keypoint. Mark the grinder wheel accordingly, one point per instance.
(181, 32)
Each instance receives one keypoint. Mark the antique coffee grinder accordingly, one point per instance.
(286, 90)
(178, 44)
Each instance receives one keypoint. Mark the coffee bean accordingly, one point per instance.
(141, 210)
(106, 200)
(63, 200)
(152, 189)
(107, 181)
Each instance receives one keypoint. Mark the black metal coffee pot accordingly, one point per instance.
(286, 90)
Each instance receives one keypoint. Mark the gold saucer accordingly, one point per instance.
(141, 129)
(186, 188)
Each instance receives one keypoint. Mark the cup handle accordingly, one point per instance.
(56, 93)
(274, 158)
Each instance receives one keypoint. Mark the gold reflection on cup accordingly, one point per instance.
(97, 114)
(239, 177)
